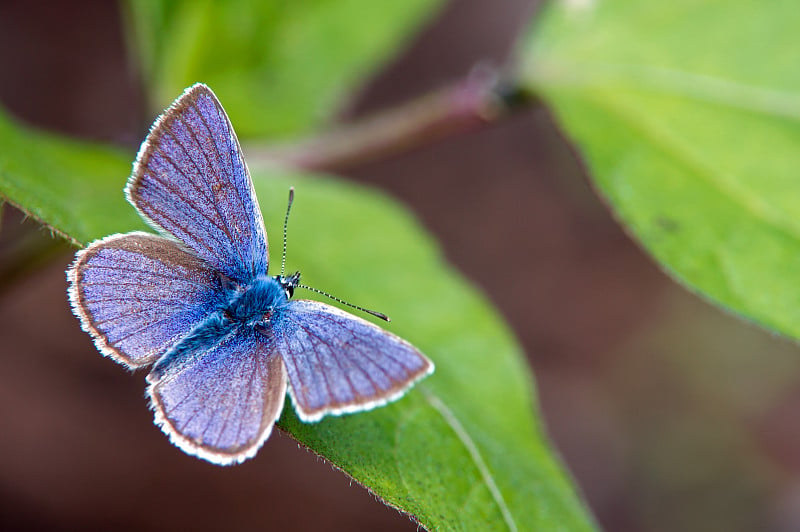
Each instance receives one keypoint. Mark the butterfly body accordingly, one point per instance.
(225, 341)
(255, 308)
(256, 302)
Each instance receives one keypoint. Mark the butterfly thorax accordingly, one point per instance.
(256, 302)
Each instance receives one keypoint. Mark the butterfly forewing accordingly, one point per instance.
(137, 294)
(339, 363)
(190, 181)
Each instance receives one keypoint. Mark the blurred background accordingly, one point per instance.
(670, 414)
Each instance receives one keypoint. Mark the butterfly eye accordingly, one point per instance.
(264, 329)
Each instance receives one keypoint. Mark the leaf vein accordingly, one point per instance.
(474, 453)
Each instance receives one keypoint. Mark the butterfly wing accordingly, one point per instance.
(190, 181)
(136, 294)
(222, 405)
(338, 363)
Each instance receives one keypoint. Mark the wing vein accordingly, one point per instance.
(225, 221)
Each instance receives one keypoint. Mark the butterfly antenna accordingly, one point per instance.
(285, 225)
(380, 315)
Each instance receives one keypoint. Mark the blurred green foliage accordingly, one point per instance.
(281, 68)
(687, 114)
(73, 187)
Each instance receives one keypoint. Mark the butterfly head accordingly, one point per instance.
(288, 283)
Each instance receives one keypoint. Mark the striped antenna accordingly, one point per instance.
(380, 315)
(285, 226)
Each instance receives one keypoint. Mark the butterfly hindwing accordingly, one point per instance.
(137, 294)
(221, 406)
(339, 363)
(190, 181)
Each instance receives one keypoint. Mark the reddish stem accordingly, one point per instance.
(465, 106)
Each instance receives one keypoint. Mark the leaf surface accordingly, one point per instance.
(464, 449)
(687, 115)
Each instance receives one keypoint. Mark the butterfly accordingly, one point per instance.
(224, 340)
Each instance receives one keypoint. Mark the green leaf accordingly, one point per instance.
(280, 67)
(73, 187)
(464, 449)
(687, 116)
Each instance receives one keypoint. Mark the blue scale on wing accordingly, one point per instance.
(337, 362)
(191, 181)
(140, 294)
(223, 404)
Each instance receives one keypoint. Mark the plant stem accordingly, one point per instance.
(476, 101)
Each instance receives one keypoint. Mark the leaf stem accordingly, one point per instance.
(479, 99)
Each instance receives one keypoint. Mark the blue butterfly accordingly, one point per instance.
(225, 339)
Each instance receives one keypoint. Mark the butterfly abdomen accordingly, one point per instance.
(204, 336)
